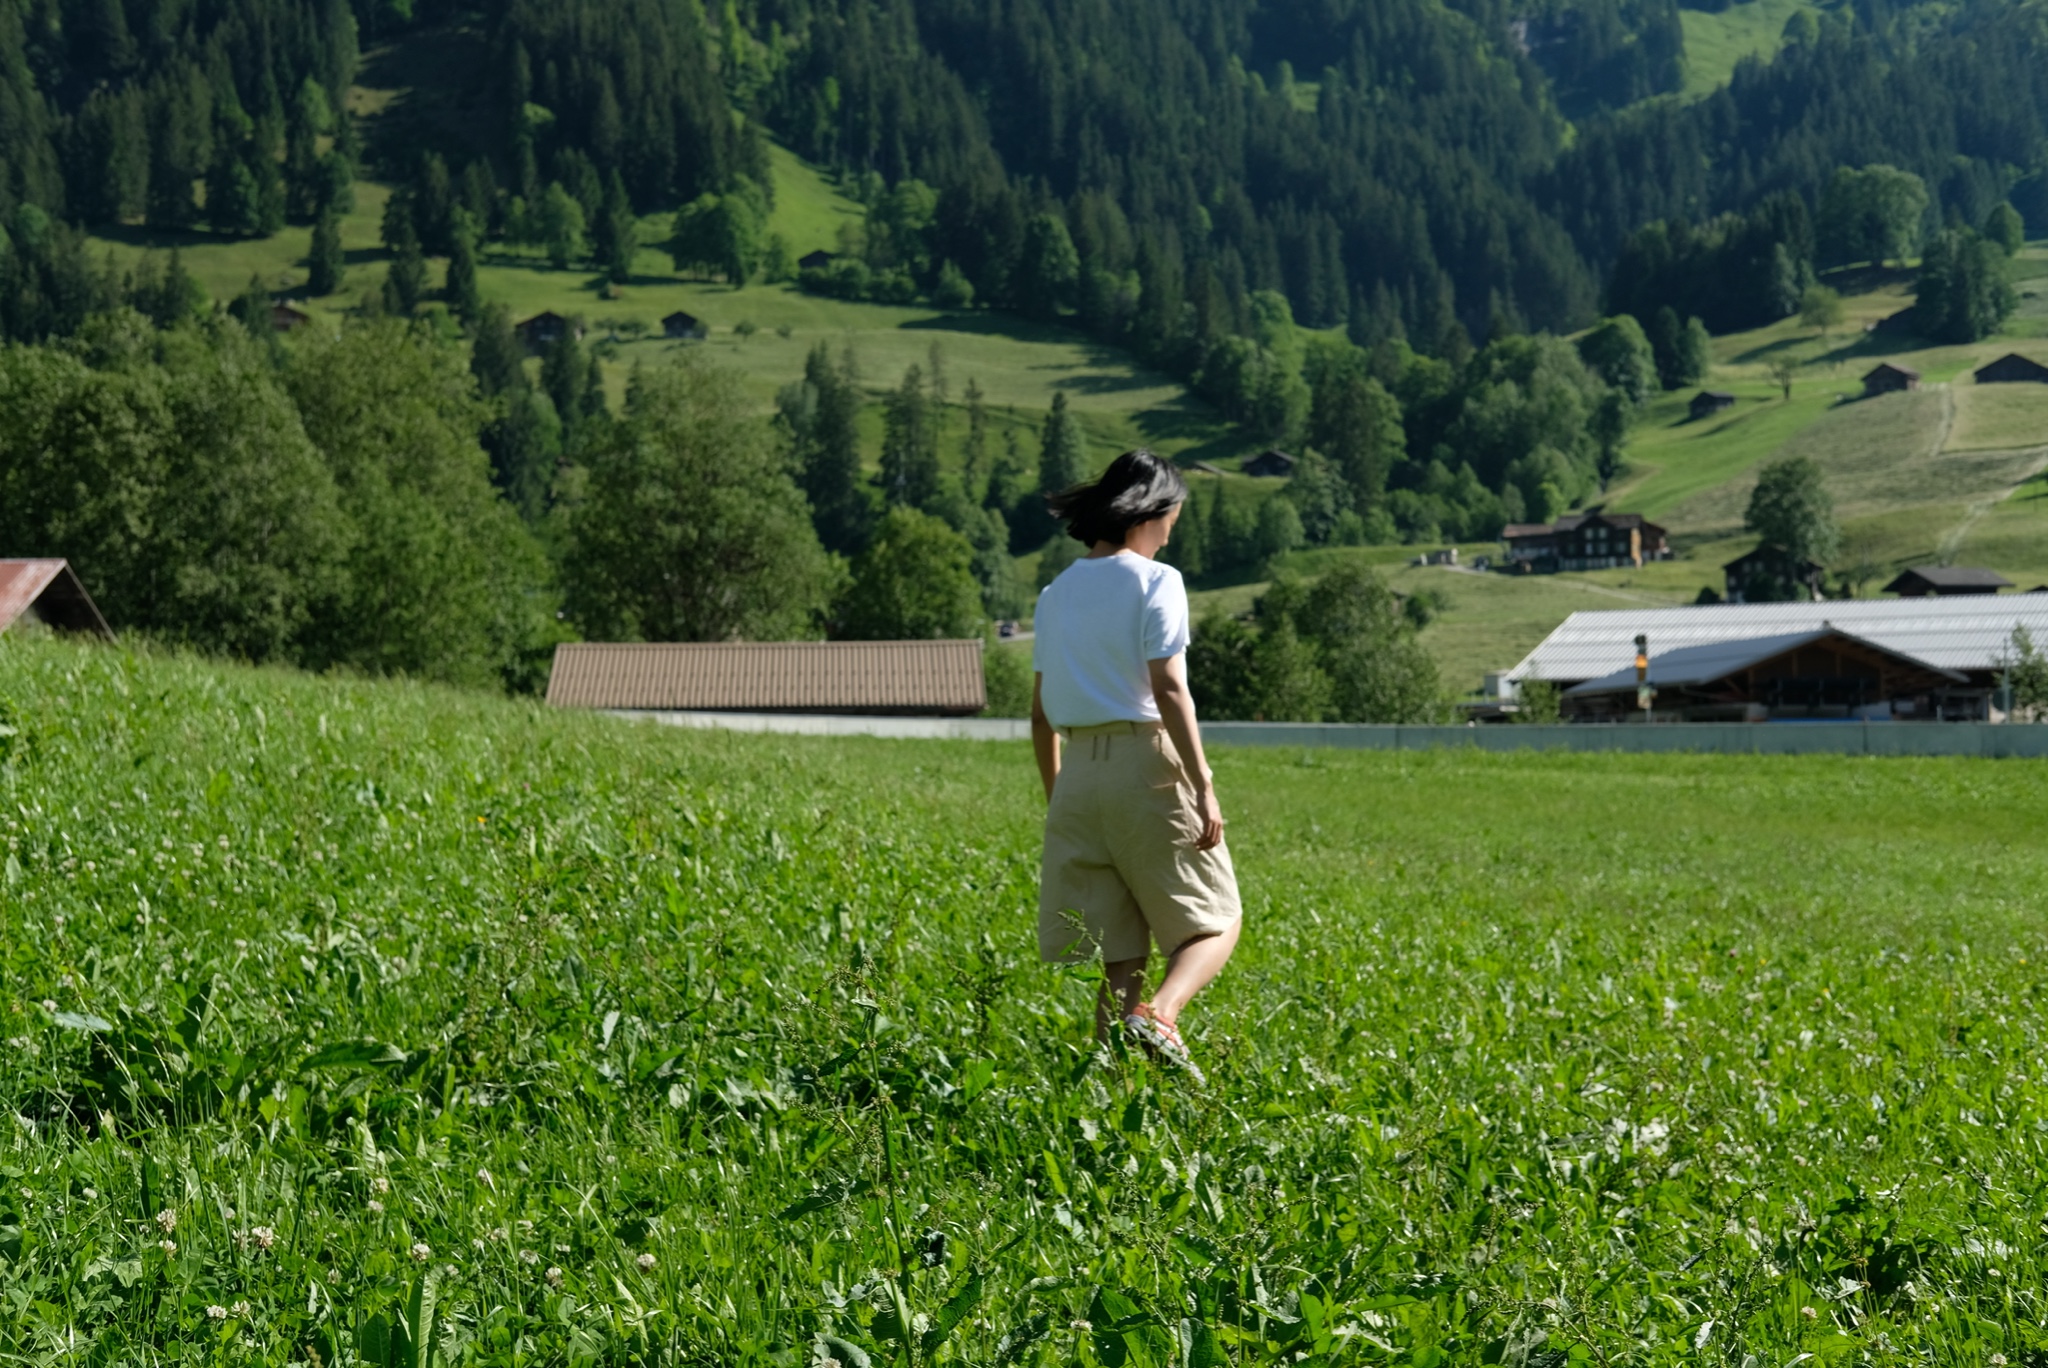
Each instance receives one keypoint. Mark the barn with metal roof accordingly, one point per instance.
(1970, 638)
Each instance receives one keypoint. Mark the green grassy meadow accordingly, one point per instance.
(399, 1026)
(1715, 42)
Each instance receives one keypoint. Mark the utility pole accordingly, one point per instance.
(1644, 693)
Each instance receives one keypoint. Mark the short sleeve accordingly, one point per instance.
(1038, 626)
(1166, 616)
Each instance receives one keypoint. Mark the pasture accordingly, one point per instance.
(392, 1025)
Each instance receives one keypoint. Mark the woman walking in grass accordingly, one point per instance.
(1133, 835)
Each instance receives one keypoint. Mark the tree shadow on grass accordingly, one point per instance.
(1188, 420)
(152, 239)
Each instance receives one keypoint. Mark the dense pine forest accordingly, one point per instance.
(1358, 227)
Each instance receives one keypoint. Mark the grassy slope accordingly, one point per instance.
(712, 999)
(1714, 43)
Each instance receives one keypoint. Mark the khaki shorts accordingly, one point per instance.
(1120, 850)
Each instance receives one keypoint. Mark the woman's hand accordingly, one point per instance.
(1211, 813)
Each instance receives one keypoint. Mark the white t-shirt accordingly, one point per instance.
(1098, 625)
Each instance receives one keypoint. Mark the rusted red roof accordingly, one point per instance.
(49, 590)
(902, 677)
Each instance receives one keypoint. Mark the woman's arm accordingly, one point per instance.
(1177, 711)
(1045, 742)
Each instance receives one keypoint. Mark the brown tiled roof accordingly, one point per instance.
(927, 677)
(53, 591)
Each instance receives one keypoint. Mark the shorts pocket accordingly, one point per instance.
(1162, 765)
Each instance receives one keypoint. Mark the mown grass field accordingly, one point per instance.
(399, 1026)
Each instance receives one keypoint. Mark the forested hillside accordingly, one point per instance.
(1357, 228)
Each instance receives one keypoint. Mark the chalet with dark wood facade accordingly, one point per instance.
(1272, 464)
(1770, 575)
(1593, 540)
(545, 329)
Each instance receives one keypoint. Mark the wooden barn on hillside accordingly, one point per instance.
(1886, 378)
(2013, 369)
(1709, 402)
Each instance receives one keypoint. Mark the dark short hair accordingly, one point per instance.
(1136, 488)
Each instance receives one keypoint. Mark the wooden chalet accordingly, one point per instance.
(1709, 402)
(815, 261)
(1946, 581)
(687, 327)
(1886, 378)
(285, 318)
(545, 329)
(46, 593)
(1270, 464)
(2013, 369)
(1593, 540)
(1765, 573)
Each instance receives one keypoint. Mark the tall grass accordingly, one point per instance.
(353, 1022)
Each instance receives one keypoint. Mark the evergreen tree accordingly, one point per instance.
(618, 233)
(561, 227)
(974, 454)
(460, 289)
(326, 262)
(820, 414)
(910, 453)
(496, 357)
(1062, 449)
(405, 283)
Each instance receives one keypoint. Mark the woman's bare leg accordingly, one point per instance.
(1123, 987)
(1189, 970)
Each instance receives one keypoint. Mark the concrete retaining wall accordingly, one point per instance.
(1727, 738)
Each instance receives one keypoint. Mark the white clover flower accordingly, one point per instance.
(240, 1308)
(1081, 1325)
(169, 1247)
(334, 1277)
(477, 1245)
(527, 1256)
(216, 1313)
(554, 1276)
(49, 1004)
(645, 1263)
(167, 1220)
(1809, 1313)
(421, 1252)
(90, 1194)
(264, 1236)
(380, 1184)
(1996, 1361)
(483, 1175)
(497, 1233)
(376, 1207)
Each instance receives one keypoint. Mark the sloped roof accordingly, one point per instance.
(1972, 633)
(1692, 665)
(771, 676)
(53, 591)
(1891, 368)
(1950, 577)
